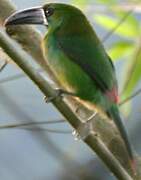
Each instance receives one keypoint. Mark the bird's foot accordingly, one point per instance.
(85, 129)
(59, 93)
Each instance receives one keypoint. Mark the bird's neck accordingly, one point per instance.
(75, 26)
(71, 26)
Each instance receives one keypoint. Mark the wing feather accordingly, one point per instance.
(92, 58)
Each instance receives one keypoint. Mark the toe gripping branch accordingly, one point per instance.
(59, 93)
(85, 128)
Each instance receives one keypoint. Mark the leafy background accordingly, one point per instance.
(33, 154)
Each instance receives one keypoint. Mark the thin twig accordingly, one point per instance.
(132, 66)
(34, 127)
(127, 7)
(121, 21)
(3, 66)
(15, 77)
(12, 125)
(26, 126)
(130, 97)
(104, 9)
(12, 78)
(56, 131)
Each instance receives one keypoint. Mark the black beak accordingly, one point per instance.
(28, 16)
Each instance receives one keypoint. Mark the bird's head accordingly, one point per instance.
(49, 15)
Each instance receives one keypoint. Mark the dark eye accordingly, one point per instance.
(49, 11)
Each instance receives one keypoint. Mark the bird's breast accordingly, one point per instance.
(68, 73)
(60, 66)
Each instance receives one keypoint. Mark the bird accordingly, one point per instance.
(77, 59)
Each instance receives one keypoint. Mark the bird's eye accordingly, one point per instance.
(49, 12)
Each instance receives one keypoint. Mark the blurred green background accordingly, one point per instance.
(40, 155)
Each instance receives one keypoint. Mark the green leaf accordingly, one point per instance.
(120, 49)
(132, 73)
(125, 29)
(107, 2)
(89, 2)
(81, 2)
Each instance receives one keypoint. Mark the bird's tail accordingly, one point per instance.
(115, 115)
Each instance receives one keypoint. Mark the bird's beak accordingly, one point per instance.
(28, 16)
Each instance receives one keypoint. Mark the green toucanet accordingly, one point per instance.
(77, 58)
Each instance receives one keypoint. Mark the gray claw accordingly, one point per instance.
(59, 93)
(48, 99)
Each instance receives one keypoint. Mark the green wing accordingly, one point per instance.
(90, 55)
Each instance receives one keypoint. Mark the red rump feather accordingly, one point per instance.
(113, 95)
